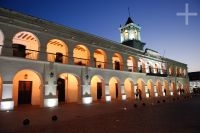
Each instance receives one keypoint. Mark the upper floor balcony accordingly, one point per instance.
(80, 57)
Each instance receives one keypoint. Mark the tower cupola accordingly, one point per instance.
(130, 34)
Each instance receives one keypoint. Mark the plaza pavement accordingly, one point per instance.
(172, 115)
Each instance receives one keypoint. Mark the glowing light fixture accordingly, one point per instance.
(87, 100)
(51, 102)
(108, 98)
(7, 105)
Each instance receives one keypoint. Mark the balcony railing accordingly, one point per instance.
(65, 59)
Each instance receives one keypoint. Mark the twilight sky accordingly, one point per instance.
(162, 30)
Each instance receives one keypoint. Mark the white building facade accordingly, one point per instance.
(44, 64)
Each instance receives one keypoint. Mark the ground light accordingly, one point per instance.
(7, 105)
(51, 102)
(87, 100)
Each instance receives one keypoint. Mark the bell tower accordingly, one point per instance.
(130, 34)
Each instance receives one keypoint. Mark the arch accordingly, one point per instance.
(57, 51)
(1, 41)
(114, 88)
(159, 88)
(26, 44)
(166, 88)
(129, 88)
(150, 86)
(141, 66)
(27, 87)
(97, 88)
(180, 89)
(140, 88)
(68, 87)
(100, 58)
(132, 64)
(1, 87)
(117, 62)
(81, 55)
(171, 71)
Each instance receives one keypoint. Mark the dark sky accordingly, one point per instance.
(162, 29)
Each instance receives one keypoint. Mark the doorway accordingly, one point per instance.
(25, 92)
(99, 90)
(61, 89)
(116, 88)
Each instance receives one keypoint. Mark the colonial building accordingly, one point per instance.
(43, 63)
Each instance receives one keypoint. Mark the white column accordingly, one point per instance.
(107, 92)
(123, 92)
(7, 102)
(86, 98)
(146, 91)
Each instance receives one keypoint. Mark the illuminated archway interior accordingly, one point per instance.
(159, 88)
(166, 87)
(26, 88)
(25, 44)
(57, 51)
(117, 61)
(114, 88)
(141, 66)
(100, 58)
(81, 55)
(67, 88)
(140, 88)
(97, 88)
(150, 87)
(128, 86)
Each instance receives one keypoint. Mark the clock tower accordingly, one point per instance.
(130, 35)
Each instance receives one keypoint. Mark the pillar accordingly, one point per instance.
(7, 102)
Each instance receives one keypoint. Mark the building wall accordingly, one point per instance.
(40, 61)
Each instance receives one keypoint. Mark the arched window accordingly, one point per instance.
(26, 45)
(100, 58)
(117, 62)
(81, 55)
(131, 64)
(57, 51)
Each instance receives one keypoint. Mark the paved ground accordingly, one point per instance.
(177, 116)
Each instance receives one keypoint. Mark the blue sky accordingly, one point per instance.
(162, 29)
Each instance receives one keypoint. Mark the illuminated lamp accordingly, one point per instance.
(171, 93)
(147, 95)
(123, 96)
(25, 76)
(108, 98)
(156, 94)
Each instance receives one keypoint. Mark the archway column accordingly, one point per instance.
(86, 95)
(7, 47)
(107, 93)
(123, 92)
(49, 92)
(7, 102)
(155, 91)
(70, 55)
(147, 91)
